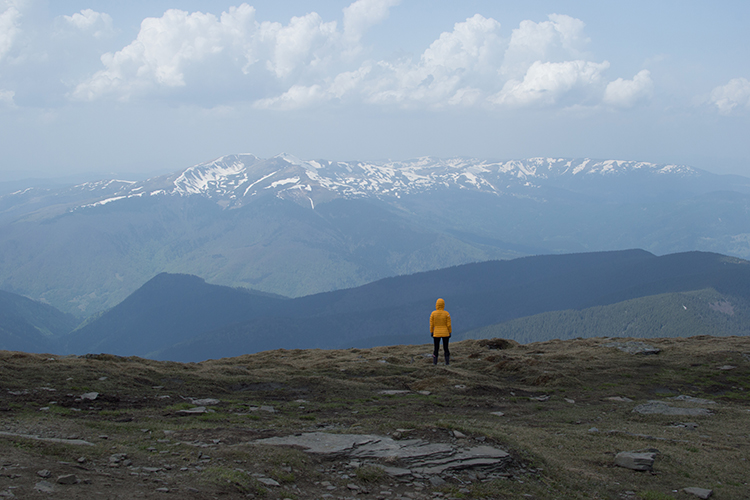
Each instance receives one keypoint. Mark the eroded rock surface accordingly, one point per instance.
(415, 456)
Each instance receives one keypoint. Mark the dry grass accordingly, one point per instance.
(564, 446)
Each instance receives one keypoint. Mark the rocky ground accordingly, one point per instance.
(595, 418)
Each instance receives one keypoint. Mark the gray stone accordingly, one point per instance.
(44, 473)
(419, 456)
(198, 410)
(206, 402)
(67, 479)
(394, 392)
(44, 487)
(699, 492)
(77, 442)
(437, 481)
(691, 399)
(640, 461)
(634, 347)
(90, 396)
(662, 408)
(268, 481)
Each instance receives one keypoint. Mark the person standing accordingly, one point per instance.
(440, 328)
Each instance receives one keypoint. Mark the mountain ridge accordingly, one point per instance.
(294, 228)
(477, 295)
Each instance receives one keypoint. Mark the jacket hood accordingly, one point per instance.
(440, 304)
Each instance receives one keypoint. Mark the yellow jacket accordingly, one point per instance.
(440, 320)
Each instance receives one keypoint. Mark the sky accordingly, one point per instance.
(148, 87)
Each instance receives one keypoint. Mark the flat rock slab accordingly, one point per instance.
(699, 492)
(662, 408)
(419, 456)
(691, 399)
(635, 460)
(633, 347)
(76, 442)
(198, 410)
(206, 402)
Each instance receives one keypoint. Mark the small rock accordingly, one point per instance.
(162, 490)
(198, 410)
(436, 481)
(691, 399)
(459, 435)
(593, 430)
(44, 487)
(571, 401)
(632, 347)
(43, 473)
(67, 479)
(206, 402)
(352, 486)
(619, 399)
(661, 408)
(635, 460)
(498, 413)
(726, 367)
(90, 396)
(699, 492)
(81, 460)
(268, 481)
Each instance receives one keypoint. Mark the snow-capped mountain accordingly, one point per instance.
(233, 180)
(295, 227)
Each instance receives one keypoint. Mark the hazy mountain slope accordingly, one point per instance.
(476, 295)
(167, 309)
(31, 326)
(684, 314)
(296, 227)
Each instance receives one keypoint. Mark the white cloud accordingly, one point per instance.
(306, 40)
(299, 96)
(454, 63)
(547, 83)
(734, 96)
(97, 23)
(167, 47)
(364, 14)
(6, 98)
(627, 93)
(10, 15)
(557, 40)
(309, 61)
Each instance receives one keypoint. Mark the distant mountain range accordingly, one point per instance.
(291, 227)
(625, 293)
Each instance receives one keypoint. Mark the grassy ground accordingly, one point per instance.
(558, 420)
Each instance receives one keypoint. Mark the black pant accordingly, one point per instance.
(436, 340)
